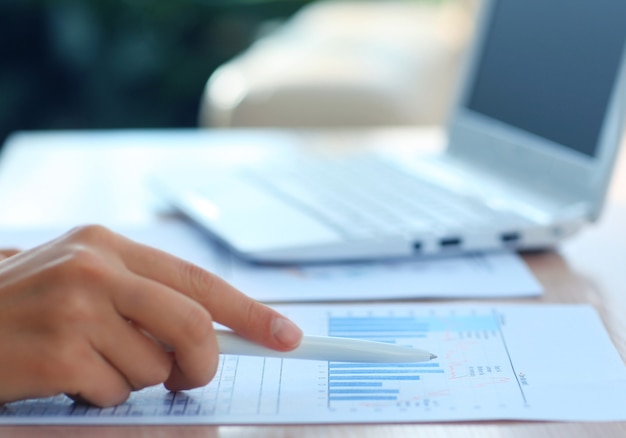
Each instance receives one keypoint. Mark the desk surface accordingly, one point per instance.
(589, 268)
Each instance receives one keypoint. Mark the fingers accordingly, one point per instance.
(172, 300)
(232, 308)
(69, 303)
(5, 253)
(174, 319)
(141, 360)
(227, 305)
(164, 313)
(98, 383)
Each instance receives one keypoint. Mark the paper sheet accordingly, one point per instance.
(479, 275)
(506, 362)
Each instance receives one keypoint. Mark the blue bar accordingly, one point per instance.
(364, 391)
(376, 339)
(371, 377)
(356, 384)
(386, 365)
(374, 331)
(375, 335)
(367, 319)
(363, 398)
(377, 321)
(433, 323)
(383, 330)
(382, 371)
(465, 322)
(382, 327)
(378, 371)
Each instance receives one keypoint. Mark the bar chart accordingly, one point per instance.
(374, 383)
(491, 364)
(472, 359)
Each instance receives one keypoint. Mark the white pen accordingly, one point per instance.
(326, 348)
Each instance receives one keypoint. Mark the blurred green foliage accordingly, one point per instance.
(77, 64)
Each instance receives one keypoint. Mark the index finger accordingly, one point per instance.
(227, 305)
(8, 252)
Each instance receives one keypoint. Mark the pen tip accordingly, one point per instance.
(432, 356)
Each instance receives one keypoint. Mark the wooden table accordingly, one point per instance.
(589, 268)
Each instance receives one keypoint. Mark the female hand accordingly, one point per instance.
(86, 315)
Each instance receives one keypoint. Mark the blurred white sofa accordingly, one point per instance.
(346, 63)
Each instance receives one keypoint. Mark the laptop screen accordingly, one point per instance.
(548, 67)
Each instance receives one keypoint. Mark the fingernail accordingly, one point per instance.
(286, 332)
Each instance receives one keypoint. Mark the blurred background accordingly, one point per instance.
(118, 63)
(98, 64)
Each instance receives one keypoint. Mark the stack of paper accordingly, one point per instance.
(480, 275)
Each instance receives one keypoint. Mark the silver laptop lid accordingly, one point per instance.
(543, 100)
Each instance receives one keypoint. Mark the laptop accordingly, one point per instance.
(530, 150)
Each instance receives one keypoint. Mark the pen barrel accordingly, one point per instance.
(326, 348)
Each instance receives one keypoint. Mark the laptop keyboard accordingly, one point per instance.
(369, 198)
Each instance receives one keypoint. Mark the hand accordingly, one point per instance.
(87, 315)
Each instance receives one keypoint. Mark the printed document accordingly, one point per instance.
(480, 275)
(512, 362)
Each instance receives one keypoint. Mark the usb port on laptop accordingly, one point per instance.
(450, 242)
(510, 238)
